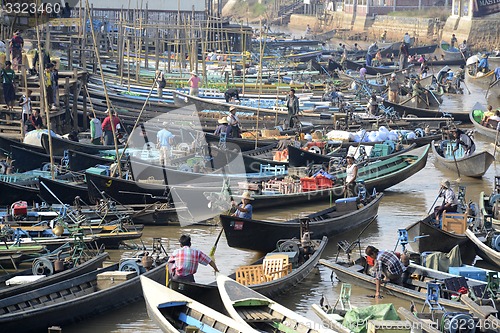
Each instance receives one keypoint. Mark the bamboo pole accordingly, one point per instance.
(260, 86)
(43, 93)
(108, 102)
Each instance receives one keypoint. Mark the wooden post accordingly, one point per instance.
(83, 56)
(75, 92)
(157, 49)
(128, 64)
(66, 94)
(85, 122)
(146, 38)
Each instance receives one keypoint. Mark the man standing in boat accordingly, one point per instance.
(234, 123)
(165, 139)
(464, 140)
(393, 87)
(453, 41)
(108, 129)
(351, 176)
(183, 263)
(372, 50)
(388, 267)
(450, 200)
(292, 104)
(95, 129)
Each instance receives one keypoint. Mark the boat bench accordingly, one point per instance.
(254, 314)
(272, 268)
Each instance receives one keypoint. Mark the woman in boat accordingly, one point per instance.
(351, 176)
(222, 127)
(450, 200)
(388, 267)
(234, 123)
(244, 209)
(184, 262)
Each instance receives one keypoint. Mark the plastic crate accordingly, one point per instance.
(308, 184)
(469, 272)
(324, 182)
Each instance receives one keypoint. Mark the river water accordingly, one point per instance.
(403, 204)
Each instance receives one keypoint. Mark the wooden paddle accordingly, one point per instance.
(487, 91)
(456, 165)
(496, 142)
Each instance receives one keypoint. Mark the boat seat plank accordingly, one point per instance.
(256, 314)
(202, 326)
(417, 322)
(484, 313)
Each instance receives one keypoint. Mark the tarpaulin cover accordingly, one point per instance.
(357, 319)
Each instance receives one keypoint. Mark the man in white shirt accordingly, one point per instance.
(450, 200)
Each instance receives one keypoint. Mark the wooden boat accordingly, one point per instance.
(263, 236)
(437, 239)
(475, 116)
(254, 310)
(482, 79)
(412, 290)
(494, 89)
(26, 159)
(172, 311)
(487, 253)
(81, 268)
(243, 144)
(59, 145)
(425, 113)
(299, 157)
(474, 165)
(171, 176)
(370, 70)
(125, 191)
(451, 52)
(377, 175)
(208, 293)
(6, 144)
(75, 299)
(81, 161)
(66, 190)
(13, 191)
(426, 49)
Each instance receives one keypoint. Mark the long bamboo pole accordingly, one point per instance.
(43, 92)
(108, 102)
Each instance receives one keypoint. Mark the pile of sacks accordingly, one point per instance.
(381, 135)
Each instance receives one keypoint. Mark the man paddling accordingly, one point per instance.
(450, 200)
(464, 140)
(388, 267)
(183, 263)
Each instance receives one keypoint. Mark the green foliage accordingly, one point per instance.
(258, 9)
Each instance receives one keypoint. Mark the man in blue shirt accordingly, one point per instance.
(165, 140)
(483, 65)
(244, 209)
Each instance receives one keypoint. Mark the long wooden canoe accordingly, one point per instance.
(490, 133)
(72, 300)
(425, 113)
(59, 145)
(209, 295)
(172, 311)
(355, 275)
(246, 306)
(474, 165)
(263, 236)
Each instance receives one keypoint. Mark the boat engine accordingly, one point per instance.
(495, 242)
(455, 322)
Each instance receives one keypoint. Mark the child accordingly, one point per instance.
(25, 102)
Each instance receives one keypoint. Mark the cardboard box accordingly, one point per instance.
(109, 279)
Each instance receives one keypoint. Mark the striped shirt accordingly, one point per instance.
(391, 262)
(187, 259)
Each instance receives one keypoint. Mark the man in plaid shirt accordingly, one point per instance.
(186, 259)
(388, 267)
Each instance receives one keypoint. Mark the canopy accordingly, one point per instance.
(472, 60)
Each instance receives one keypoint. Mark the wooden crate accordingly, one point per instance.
(109, 279)
(454, 222)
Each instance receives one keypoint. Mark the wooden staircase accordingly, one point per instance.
(284, 12)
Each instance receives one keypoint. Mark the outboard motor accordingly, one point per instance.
(457, 322)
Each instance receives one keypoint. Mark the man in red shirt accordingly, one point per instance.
(108, 130)
(186, 259)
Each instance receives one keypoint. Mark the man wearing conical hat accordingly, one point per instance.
(244, 209)
(450, 200)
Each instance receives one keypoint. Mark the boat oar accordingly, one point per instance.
(456, 165)
(439, 194)
(212, 251)
(491, 85)
(496, 142)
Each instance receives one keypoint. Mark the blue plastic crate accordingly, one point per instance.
(469, 272)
